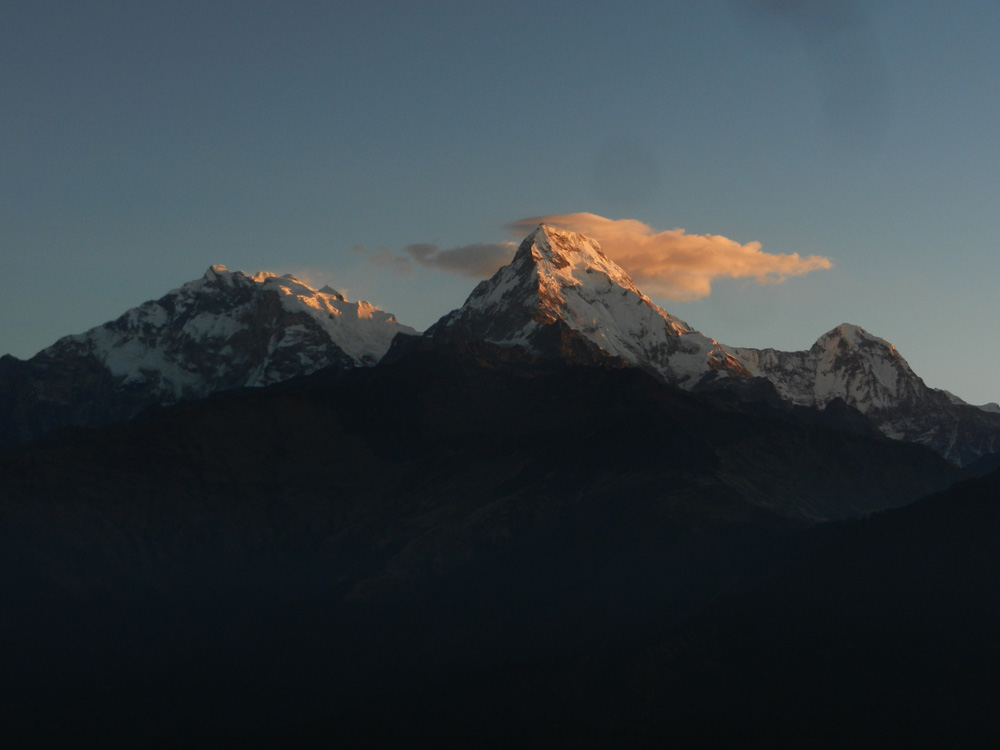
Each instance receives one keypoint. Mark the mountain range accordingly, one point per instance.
(559, 296)
(252, 512)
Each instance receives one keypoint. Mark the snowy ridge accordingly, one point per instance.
(561, 277)
(846, 363)
(229, 330)
(869, 374)
(359, 328)
(992, 407)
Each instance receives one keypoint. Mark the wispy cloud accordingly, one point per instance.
(674, 264)
(671, 264)
(385, 258)
(477, 260)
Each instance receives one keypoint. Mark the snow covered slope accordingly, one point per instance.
(847, 363)
(225, 330)
(562, 295)
(869, 374)
(228, 329)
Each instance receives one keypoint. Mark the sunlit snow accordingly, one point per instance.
(188, 340)
(561, 275)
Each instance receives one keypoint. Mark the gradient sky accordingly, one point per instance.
(143, 142)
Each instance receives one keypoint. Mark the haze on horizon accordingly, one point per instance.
(386, 149)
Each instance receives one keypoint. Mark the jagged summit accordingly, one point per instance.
(565, 255)
(327, 289)
(848, 332)
(562, 295)
(228, 299)
(852, 335)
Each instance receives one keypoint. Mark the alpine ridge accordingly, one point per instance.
(562, 295)
(225, 330)
(869, 374)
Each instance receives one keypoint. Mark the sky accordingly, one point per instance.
(765, 169)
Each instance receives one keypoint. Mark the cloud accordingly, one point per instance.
(385, 258)
(674, 264)
(479, 260)
(671, 264)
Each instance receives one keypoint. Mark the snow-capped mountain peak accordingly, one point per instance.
(869, 374)
(221, 331)
(848, 335)
(567, 259)
(847, 362)
(864, 369)
(559, 288)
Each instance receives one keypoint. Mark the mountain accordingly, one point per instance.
(869, 374)
(225, 330)
(561, 295)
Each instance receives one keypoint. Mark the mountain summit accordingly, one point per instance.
(562, 295)
(225, 330)
(869, 374)
(847, 362)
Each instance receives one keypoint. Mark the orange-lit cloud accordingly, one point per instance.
(674, 264)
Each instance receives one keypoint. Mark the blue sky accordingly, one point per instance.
(143, 142)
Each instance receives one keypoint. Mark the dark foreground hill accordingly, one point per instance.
(878, 632)
(469, 542)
